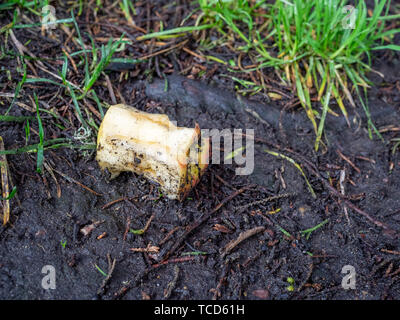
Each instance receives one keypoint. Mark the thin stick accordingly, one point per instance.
(348, 161)
(77, 182)
(111, 267)
(50, 170)
(171, 285)
(242, 236)
(263, 201)
(163, 50)
(109, 204)
(391, 251)
(169, 235)
(176, 260)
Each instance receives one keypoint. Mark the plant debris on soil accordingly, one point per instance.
(286, 231)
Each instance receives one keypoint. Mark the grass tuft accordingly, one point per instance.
(322, 48)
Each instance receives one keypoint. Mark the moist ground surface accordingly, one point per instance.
(47, 226)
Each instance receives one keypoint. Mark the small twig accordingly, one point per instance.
(77, 182)
(171, 285)
(21, 49)
(348, 161)
(142, 231)
(109, 204)
(217, 290)
(50, 170)
(128, 225)
(310, 271)
(263, 201)
(379, 266)
(138, 279)
(176, 260)
(70, 59)
(224, 182)
(149, 248)
(110, 89)
(169, 235)
(242, 236)
(146, 227)
(111, 267)
(391, 251)
(366, 159)
(103, 235)
(10, 179)
(163, 50)
(394, 273)
(131, 283)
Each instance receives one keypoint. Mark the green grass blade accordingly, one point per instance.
(282, 156)
(40, 153)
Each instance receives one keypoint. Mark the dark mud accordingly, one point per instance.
(45, 230)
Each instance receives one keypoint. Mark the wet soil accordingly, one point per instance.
(47, 227)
